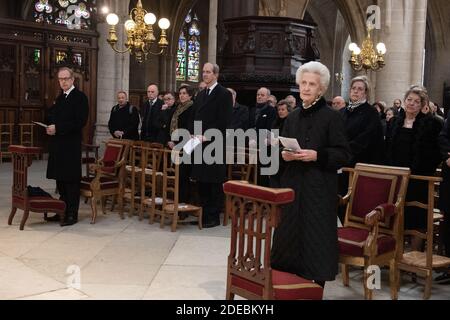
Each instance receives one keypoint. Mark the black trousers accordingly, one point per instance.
(212, 199)
(70, 193)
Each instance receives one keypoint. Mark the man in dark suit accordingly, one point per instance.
(150, 114)
(66, 119)
(124, 119)
(239, 119)
(213, 107)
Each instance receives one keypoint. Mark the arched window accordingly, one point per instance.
(188, 54)
(75, 14)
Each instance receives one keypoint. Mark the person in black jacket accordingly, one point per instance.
(165, 117)
(150, 114)
(239, 119)
(66, 120)
(213, 107)
(444, 195)
(413, 143)
(124, 119)
(305, 242)
(363, 126)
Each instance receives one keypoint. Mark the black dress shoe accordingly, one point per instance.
(55, 218)
(443, 278)
(68, 222)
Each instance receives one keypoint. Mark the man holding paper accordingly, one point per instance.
(66, 119)
(305, 242)
(213, 107)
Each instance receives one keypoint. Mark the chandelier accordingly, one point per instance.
(139, 30)
(366, 57)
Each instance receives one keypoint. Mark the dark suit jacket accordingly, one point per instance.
(69, 115)
(151, 121)
(240, 117)
(365, 134)
(214, 111)
(265, 117)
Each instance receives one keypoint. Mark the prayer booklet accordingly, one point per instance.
(290, 144)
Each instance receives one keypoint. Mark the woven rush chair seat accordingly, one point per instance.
(105, 183)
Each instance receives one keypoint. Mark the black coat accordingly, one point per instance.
(305, 242)
(165, 117)
(423, 156)
(69, 115)
(265, 117)
(124, 119)
(425, 150)
(239, 119)
(151, 122)
(214, 111)
(444, 192)
(365, 134)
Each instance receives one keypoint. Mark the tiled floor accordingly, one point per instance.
(127, 259)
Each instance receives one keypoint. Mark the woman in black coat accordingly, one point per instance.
(413, 143)
(182, 119)
(305, 242)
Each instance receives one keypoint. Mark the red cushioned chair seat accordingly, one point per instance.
(105, 183)
(352, 240)
(244, 189)
(286, 286)
(41, 204)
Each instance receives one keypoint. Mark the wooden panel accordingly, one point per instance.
(9, 74)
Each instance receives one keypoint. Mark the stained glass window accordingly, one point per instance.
(188, 55)
(74, 14)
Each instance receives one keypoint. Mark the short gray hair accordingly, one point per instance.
(317, 68)
(364, 80)
(215, 67)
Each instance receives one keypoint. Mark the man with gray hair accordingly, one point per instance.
(338, 103)
(263, 114)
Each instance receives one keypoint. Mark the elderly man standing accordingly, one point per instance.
(124, 119)
(150, 114)
(66, 120)
(339, 104)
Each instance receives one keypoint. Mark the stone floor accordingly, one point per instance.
(128, 259)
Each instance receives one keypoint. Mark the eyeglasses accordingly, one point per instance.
(64, 79)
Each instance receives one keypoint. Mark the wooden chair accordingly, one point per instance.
(109, 176)
(243, 166)
(171, 208)
(132, 179)
(371, 234)
(151, 181)
(249, 272)
(423, 263)
(90, 156)
(22, 158)
(6, 139)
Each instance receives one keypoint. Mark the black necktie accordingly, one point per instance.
(208, 92)
(65, 95)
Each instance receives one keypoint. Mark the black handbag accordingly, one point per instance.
(37, 192)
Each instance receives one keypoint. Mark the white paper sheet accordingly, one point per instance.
(290, 144)
(40, 124)
(191, 144)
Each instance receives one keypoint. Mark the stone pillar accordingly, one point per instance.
(212, 37)
(404, 36)
(113, 70)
